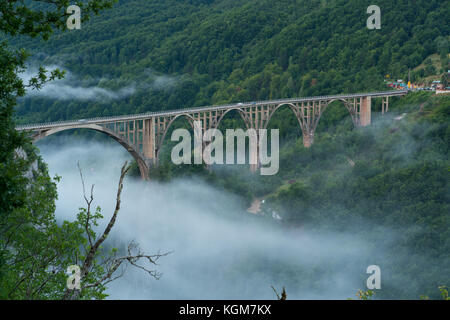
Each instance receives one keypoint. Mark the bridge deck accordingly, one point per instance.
(48, 125)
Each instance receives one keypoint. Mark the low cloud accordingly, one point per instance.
(158, 81)
(219, 250)
(70, 88)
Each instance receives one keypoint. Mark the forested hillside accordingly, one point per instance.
(166, 54)
(387, 182)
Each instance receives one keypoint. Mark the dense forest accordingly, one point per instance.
(154, 55)
(162, 55)
(391, 176)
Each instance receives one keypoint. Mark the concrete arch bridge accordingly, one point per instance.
(143, 135)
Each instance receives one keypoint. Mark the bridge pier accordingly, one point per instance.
(255, 117)
(384, 105)
(144, 169)
(365, 111)
(253, 156)
(148, 139)
(308, 139)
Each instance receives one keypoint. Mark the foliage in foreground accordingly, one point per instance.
(35, 250)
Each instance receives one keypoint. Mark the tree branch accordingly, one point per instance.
(90, 256)
(88, 202)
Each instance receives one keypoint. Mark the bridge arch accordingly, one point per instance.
(143, 166)
(293, 109)
(241, 113)
(347, 105)
(166, 130)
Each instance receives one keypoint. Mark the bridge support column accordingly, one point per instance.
(254, 156)
(148, 140)
(385, 105)
(308, 139)
(144, 169)
(38, 136)
(255, 118)
(206, 156)
(365, 111)
(308, 115)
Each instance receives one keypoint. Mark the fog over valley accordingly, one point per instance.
(217, 150)
(218, 250)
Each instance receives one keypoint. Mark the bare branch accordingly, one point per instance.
(133, 259)
(283, 293)
(90, 256)
(274, 290)
(112, 263)
(107, 278)
(88, 202)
